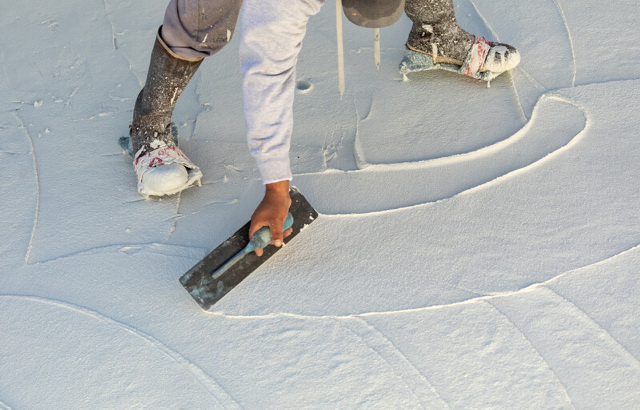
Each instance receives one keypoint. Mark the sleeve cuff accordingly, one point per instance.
(274, 168)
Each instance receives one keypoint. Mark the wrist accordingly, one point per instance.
(277, 188)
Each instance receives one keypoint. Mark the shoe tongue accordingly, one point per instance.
(373, 13)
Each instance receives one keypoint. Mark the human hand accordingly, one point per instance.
(272, 212)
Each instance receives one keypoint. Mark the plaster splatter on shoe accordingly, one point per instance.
(164, 171)
(436, 34)
(161, 167)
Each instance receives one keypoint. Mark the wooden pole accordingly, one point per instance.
(340, 47)
(376, 47)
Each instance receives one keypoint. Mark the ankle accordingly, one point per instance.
(446, 38)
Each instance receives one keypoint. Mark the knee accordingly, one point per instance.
(198, 28)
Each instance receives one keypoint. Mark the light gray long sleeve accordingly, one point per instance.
(271, 38)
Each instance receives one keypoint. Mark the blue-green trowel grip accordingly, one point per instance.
(262, 238)
(259, 240)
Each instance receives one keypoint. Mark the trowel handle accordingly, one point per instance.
(262, 238)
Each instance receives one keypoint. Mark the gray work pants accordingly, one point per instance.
(199, 28)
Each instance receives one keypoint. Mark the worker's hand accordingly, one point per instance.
(272, 212)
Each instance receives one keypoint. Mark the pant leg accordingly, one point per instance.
(199, 28)
(271, 39)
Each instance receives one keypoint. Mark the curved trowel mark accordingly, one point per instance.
(555, 123)
(107, 341)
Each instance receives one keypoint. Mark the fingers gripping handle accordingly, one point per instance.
(259, 240)
(262, 238)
